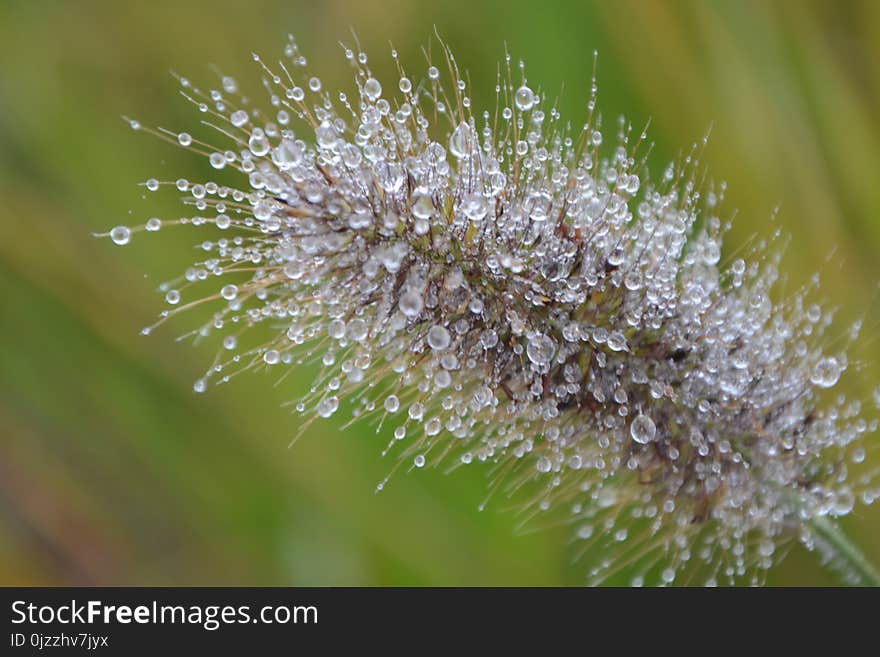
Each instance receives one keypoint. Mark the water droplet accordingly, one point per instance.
(826, 373)
(336, 329)
(643, 430)
(357, 329)
(462, 141)
(172, 297)
(230, 86)
(442, 379)
(325, 135)
(372, 89)
(616, 341)
(392, 403)
(153, 224)
(120, 235)
(474, 206)
(286, 155)
(200, 385)
(328, 406)
(411, 303)
(258, 144)
(524, 98)
(439, 338)
(184, 139)
(419, 461)
(541, 349)
(229, 292)
(423, 207)
(238, 118)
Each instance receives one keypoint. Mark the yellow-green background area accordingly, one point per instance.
(112, 471)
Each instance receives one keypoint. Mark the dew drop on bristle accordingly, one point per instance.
(524, 98)
(643, 430)
(411, 304)
(826, 373)
(438, 338)
(120, 235)
(391, 403)
(372, 89)
(238, 118)
(540, 349)
(328, 406)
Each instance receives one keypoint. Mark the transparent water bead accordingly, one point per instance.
(462, 141)
(643, 430)
(541, 349)
(392, 403)
(474, 207)
(439, 338)
(258, 144)
(524, 98)
(120, 235)
(616, 341)
(423, 207)
(826, 373)
(336, 329)
(372, 89)
(328, 406)
(325, 135)
(286, 155)
(411, 304)
(238, 118)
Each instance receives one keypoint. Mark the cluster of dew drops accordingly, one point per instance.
(503, 292)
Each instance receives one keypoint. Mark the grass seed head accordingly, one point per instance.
(502, 287)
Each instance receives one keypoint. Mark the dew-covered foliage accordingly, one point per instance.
(503, 287)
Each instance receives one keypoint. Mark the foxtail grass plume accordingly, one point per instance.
(501, 287)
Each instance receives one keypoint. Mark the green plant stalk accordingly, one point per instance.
(847, 552)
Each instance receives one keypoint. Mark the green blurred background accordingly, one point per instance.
(113, 472)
